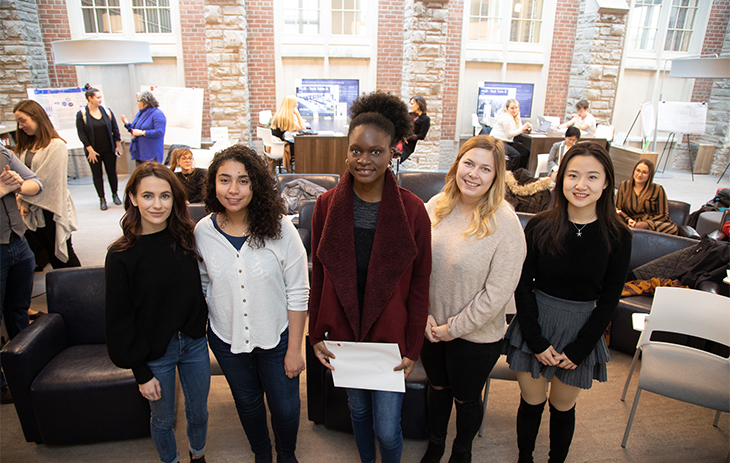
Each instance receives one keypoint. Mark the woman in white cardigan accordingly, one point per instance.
(254, 275)
(507, 126)
(49, 216)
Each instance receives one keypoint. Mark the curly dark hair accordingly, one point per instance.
(383, 110)
(179, 223)
(266, 207)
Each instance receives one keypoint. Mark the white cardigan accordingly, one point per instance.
(250, 292)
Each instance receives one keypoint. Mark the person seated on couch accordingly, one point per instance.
(572, 135)
(642, 203)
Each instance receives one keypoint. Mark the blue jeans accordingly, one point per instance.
(249, 377)
(376, 414)
(16, 284)
(190, 356)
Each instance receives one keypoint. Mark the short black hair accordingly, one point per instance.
(573, 131)
(383, 110)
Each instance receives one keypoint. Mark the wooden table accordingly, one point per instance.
(540, 143)
(320, 154)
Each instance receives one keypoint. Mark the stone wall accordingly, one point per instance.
(225, 45)
(597, 56)
(23, 56)
(424, 72)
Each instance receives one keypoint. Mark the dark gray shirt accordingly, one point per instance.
(10, 219)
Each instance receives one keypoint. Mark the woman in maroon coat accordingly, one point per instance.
(371, 264)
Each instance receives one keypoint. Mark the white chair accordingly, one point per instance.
(542, 161)
(265, 135)
(476, 125)
(264, 117)
(677, 371)
(605, 131)
(274, 149)
(638, 321)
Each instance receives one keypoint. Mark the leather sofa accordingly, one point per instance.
(327, 404)
(423, 184)
(65, 387)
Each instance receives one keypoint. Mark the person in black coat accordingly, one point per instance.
(421, 124)
(98, 131)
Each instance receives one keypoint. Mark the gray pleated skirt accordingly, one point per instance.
(560, 321)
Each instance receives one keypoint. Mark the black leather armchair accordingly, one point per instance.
(679, 211)
(326, 181)
(65, 387)
(423, 184)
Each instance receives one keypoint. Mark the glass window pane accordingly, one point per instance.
(89, 22)
(164, 3)
(310, 4)
(138, 21)
(151, 3)
(87, 3)
(349, 4)
(152, 22)
(348, 23)
(165, 23)
(100, 2)
(115, 17)
(137, 2)
(336, 4)
(337, 22)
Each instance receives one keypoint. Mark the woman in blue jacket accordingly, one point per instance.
(147, 129)
(98, 131)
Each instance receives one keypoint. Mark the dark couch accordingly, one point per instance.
(65, 387)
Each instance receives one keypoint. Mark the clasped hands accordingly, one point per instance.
(551, 357)
(323, 355)
(10, 180)
(436, 332)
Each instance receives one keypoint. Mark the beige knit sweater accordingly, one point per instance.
(472, 279)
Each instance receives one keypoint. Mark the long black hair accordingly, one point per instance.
(549, 235)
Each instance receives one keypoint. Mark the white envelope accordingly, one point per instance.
(367, 365)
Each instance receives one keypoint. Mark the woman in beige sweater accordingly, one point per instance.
(478, 248)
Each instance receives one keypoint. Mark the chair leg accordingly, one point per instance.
(631, 373)
(484, 417)
(717, 419)
(631, 418)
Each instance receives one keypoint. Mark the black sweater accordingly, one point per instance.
(585, 271)
(153, 291)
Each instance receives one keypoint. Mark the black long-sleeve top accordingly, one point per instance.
(85, 130)
(585, 271)
(153, 291)
(421, 124)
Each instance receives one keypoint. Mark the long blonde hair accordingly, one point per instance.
(517, 119)
(177, 153)
(285, 118)
(481, 223)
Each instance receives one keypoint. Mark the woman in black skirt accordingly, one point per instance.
(577, 258)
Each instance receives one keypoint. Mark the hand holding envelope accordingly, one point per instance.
(364, 365)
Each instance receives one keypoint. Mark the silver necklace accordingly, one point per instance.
(580, 230)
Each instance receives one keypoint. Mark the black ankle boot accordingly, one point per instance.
(460, 454)
(562, 427)
(528, 425)
(116, 199)
(200, 459)
(435, 450)
(102, 204)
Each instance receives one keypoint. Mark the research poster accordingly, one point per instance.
(183, 109)
(61, 105)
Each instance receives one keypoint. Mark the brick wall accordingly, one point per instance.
(714, 37)
(453, 59)
(261, 63)
(390, 46)
(561, 57)
(192, 26)
(53, 19)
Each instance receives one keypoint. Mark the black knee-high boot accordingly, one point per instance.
(528, 424)
(562, 426)
(439, 403)
(468, 419)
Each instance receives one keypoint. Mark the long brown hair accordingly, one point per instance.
(266, 207)
(649, 181)
(179, 223)
(549, 234)
(45, 133)
(481, 224)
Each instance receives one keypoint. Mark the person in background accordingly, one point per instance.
(642, 203)
(582, 119)
(287, 119)
(98, 131)
(16, 258)
(155, 309)
(578, 254)
(572, 135)
(191, 177)
(368, 286)
(49, 216)
(507, 126)
(468, 296)
(421, 123)
(147, 129)
(254, 273)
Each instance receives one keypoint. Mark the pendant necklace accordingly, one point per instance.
(580, 229)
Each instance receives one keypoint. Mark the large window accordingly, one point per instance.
(681, 19)
(644, 24)
(526, 20)
(101, 16)
(301, 17)
(349, 17)
(484, 20)
(151, 16)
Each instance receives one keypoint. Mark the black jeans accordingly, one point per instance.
(458, 370)
(109, 160)
(519, 155)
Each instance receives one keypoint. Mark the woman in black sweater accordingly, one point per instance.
(577, 259)
(421, 123)
(155, 309)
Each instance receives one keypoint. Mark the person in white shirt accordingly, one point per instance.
(507, 126)
(255, 278)
(582, 119)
